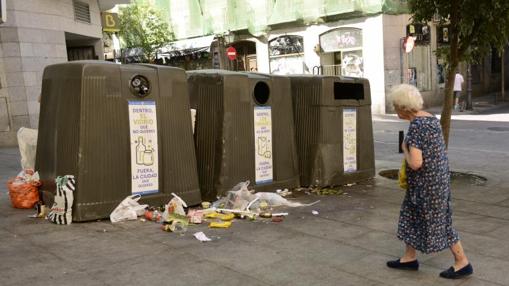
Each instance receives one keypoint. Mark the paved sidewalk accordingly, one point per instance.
(347, 243)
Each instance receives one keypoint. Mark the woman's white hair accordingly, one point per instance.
(406, 97)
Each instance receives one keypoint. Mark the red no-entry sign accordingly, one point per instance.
(231, 52)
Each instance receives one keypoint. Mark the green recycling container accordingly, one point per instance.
(120, 130)
(244, 131)
(334, 130)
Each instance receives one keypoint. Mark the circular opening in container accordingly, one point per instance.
(139, 86)
(459, 178)
(261, 93)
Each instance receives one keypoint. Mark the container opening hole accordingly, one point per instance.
(347, 90)
(261, 93)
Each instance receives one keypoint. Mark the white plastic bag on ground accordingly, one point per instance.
(27, 142)
(128, 209)
(238, 198)
(275, 200)
(174, 206)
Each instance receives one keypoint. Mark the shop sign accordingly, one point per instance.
(349, 140)
(341, 38)
(144, 151)
(263, 144)
(443, 35)
(110, 22)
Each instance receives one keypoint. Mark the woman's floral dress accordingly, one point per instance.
(425, 221)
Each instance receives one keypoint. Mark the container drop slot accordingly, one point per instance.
(348, 90)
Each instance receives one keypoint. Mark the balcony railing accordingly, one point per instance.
(327, 70)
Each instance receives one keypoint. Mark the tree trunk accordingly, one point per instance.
(445, 119)
(502, 74)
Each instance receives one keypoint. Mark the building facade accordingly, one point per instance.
(38, 33)
(350, 38)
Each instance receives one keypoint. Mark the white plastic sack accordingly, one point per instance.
(275, 200)
(27, 142)
(174, 206)
(238, 198)
(128, 209)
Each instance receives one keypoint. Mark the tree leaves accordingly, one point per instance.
(475, 26)
(141, 26)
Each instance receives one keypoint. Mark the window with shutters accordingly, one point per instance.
(81, 11)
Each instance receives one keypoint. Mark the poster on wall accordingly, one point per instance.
(352, 64)
(287, 65)
(263, 144)
(144, 152)
(412, 76)
(349, 140)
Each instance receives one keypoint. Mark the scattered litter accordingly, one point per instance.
(223, 224)
(327, 191)
(265, 214)
(195, 216)
(153, 214)
(235, 211)
(263, 205)
(61, 211)
(284, 192)
(349, 185)
(174, 206)
(24, 189)
(201, 237)
(277, 219)
(205, 205)
(279, 214)
(128, 209)
(176, 223)
(251, 203)
(226, 217)
(276, 200)
(212, 215)
(314, 212)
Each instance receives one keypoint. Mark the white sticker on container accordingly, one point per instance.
(263, 144)
(349, 140)
(144, 152)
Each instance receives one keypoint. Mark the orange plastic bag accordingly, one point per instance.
(24, 195)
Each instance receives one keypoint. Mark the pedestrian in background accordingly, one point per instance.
(425, 221)
(458, 82)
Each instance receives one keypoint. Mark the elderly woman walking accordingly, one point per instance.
(425, 221)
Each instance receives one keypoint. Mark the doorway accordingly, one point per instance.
(246, 57)
(81, 47)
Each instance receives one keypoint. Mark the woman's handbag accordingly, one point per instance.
(403, 180)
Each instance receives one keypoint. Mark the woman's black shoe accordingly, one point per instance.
(411, 265)
(463, 272)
